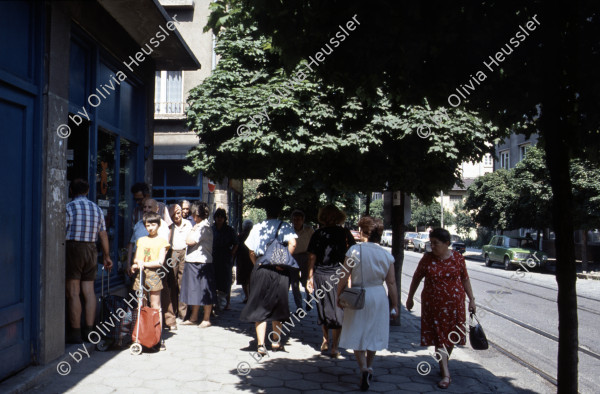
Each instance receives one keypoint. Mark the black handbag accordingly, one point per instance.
(354, 298)
(277, 254)
(476, 335)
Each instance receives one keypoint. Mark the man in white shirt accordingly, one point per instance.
(180, 229)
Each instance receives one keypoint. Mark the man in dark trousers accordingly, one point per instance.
(85, 223)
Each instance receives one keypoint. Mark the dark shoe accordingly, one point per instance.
(364, 381)
(279, 348)
(85, 333)
(74, 336)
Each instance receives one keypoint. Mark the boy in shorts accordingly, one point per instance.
(150, 257)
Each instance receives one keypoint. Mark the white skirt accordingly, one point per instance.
(367, 328)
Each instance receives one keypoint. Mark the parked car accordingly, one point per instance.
(386, 238)
(419, 241)
(456, 243)
(355, 235)
(408, 240)
(513, 251)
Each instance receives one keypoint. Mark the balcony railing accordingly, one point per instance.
(174, 108)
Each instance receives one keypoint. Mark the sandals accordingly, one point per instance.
(324, 346)
(189, 323)
(278, 348)
(262, 350)
(444, 385)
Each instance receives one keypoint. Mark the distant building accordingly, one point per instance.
(172, 138)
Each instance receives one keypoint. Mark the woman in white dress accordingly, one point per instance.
(367, 330)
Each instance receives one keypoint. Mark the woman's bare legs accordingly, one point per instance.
(194, 313)
(261, 330)
(335, 341)
(325, 342)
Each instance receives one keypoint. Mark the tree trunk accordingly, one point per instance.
(559, 126)
(584, 245)
(538, 239)
(398, 245)
(368, 204)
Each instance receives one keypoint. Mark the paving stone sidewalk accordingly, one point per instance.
(219, 359)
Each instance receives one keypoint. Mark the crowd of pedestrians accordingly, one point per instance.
(327, 260)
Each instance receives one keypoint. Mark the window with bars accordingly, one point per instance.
(168, 92)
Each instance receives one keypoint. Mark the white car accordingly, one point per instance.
(419, 241)
(386, 238)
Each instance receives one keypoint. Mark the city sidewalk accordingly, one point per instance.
(220, 359)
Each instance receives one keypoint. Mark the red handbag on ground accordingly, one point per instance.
(149, 327)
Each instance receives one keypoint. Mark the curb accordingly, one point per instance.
(589, 276)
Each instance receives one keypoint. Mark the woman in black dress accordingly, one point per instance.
(269, 285)
(243, 264)
(327, 250)
(225, 245)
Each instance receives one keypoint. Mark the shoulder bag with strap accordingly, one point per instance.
(353, 297)
(277, 254)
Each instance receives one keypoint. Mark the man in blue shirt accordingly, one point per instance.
(85, 223)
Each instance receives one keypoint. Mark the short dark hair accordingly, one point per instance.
(79, 186)
(140, 187)
(331, 215)
(273, 206)
(440, 234)
(371, 227)
(220, 213)
(199, 208)
(151, 217)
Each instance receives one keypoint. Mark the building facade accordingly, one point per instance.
(172, 138)
(77, 100)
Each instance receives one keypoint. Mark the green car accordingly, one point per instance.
(513, 251)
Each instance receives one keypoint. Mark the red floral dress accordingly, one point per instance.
(442, 300)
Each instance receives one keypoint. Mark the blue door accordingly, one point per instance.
(19, 182)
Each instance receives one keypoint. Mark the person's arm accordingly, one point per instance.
(310, 285)
(414, 285)
(252, 256)
(467, 285)
(105, 250)
(192, 238)
(129, 257)
(292, 245)
(344, 279)
(390, 281)
(159, 262)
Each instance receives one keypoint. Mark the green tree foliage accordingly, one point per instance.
(491, 199)
(376, 208)
(463, 220)
(429, 215)
(522, 196)
(316, 135)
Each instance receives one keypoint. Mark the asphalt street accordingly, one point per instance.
(520, 318)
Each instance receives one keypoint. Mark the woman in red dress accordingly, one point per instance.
(442, 299)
